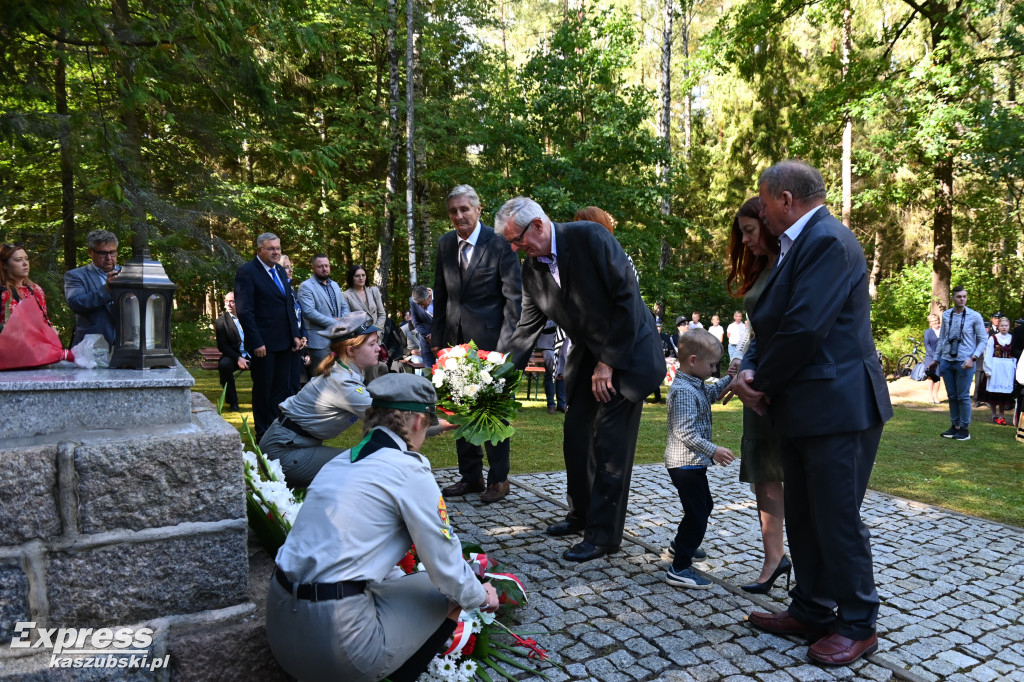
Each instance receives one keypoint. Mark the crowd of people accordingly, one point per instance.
(801, 344)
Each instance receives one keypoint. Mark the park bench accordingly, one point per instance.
(211, 356)
(535, 373)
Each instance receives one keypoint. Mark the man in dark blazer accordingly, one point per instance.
(577, 275)
(477, 290)
(266, 308)
(233, 356)
(812, 368)
(86, 288)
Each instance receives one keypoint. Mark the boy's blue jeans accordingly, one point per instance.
(958, 390)
(695, 495)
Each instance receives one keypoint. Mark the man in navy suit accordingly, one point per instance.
(266, 309)
(577, 275)
(86, 288)
(812, 368)
(476, 298)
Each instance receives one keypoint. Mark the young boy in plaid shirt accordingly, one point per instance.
(689, 450)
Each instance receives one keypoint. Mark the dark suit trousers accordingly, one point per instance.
(226, 368)
(826, 478)
(271, 385)
(599, 441)
(471, 461)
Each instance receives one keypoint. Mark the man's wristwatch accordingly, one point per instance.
(974, 358)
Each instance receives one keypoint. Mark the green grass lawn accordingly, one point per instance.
(983, 477)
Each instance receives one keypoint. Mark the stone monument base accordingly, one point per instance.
(123, 533)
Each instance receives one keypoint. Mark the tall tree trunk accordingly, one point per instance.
(387, 238)
(422, 196)
(876, 266)
(687, 98)
(129, 157)
(942, 227)
(848, 134)
(410, 147)
(67, 176)
(665, 125)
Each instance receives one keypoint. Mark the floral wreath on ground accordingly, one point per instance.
(479, 645)
(477, 389)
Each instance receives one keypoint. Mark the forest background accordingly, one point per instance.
(193, 126)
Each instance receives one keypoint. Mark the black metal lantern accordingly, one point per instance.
(143, 295)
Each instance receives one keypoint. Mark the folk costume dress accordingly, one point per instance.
(1000, 368)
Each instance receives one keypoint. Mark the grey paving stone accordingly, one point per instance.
(952, 590)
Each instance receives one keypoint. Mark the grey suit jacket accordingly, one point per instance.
(316, 309)
(598, 306)
(812, 352)
(485, 301)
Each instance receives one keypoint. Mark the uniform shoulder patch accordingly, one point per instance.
(359, 389)
(442, 510)
(446, 531)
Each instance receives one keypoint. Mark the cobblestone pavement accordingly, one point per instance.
(952, 589)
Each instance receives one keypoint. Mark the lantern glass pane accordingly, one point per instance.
(129, 321)
(156, 322)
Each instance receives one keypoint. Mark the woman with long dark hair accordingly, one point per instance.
(753, 253)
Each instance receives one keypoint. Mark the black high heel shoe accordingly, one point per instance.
(764, 588)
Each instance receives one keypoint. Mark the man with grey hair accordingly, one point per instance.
(87, 289)
(812, 368)
(476, 298)
(266, 308)
(421, 310)
(577, 275)
(322, 307)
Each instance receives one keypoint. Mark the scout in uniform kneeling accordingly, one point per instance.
(334, 611)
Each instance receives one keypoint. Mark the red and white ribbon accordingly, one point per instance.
(460, 638)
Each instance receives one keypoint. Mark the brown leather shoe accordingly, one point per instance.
(463, 487)
(784, 624)
(551, 409)
(495, 492)
(838, 650)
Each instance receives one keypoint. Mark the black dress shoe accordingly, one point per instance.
(463, 488)
(563, 528)
(586, 551)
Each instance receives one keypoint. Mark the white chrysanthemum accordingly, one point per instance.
(451, 364)
(448, 665)
(472, 390)
(468, 668)
(485, 377)
(438, 377)
(457, 352)
(496, 358)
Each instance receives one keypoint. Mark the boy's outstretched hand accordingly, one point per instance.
(722, 456)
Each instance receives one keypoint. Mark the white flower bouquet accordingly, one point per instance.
(477, 389)
(269, 504)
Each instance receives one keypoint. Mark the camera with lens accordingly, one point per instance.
(954, 347)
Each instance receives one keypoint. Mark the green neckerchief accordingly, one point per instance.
(375, 440)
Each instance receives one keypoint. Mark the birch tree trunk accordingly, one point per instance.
(410, 148)
(665, 125)
(387, 237)
(848, 135)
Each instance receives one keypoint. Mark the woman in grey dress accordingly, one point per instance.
(752, 253)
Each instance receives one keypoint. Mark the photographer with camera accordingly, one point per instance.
(962, 340)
